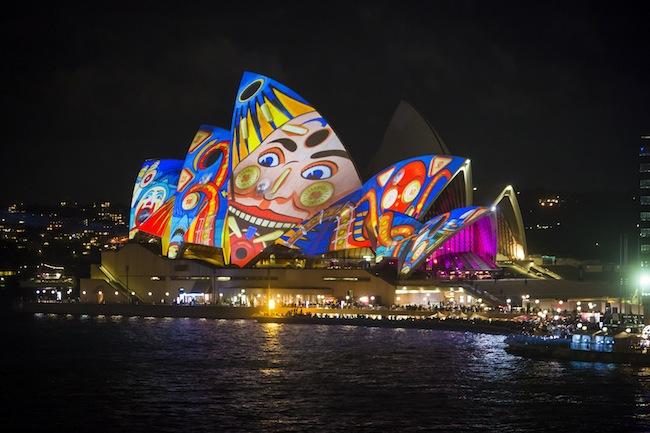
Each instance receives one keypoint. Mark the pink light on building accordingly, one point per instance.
(472, 248)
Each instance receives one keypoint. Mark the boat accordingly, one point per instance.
(622, 348)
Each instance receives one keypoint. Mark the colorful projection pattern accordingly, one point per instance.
(289, 165)
(437, 231)
(154, 189)
(398, 236)
(381, 212)
(282, 176)
(202, 193)
(262, 105)
(473, 247)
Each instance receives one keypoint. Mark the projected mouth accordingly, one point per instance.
(261, 222)
(142, 215)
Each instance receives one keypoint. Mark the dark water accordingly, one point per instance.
(135, 374)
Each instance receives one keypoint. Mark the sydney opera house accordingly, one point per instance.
(276, 207)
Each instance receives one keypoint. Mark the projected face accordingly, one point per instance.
(299, 169)
(146, 176)
(149, 203)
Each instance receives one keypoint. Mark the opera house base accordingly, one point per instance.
(135, 274)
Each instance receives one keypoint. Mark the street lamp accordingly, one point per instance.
(644, 280)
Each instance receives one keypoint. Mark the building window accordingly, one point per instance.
(645, 199)
(645, 248)
(645, 216)
(644, 183)
(346, 279)
(644, 168)
(645, 233)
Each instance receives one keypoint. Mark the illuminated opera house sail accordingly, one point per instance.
(280, 182)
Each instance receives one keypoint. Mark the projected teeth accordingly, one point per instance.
(259, 221)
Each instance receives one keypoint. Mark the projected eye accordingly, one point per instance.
(190, 201)
(389, 198)
(411, 191)
(148, 177)
(249, 91)
(271, 158)
(319, 171)
(207, 157)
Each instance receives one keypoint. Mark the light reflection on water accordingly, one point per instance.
(218, 375)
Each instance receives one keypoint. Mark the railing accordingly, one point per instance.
(116, 284)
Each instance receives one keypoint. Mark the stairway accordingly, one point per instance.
(117, 285)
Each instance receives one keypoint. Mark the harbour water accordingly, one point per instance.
(65, 373)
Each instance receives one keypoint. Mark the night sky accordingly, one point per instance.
(549, 95)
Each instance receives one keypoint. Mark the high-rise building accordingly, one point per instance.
(644, 202)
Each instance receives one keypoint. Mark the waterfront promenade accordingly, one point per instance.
(487, 322)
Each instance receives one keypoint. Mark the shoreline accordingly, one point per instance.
(382, 318)
(146, 310)
(461, 325)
